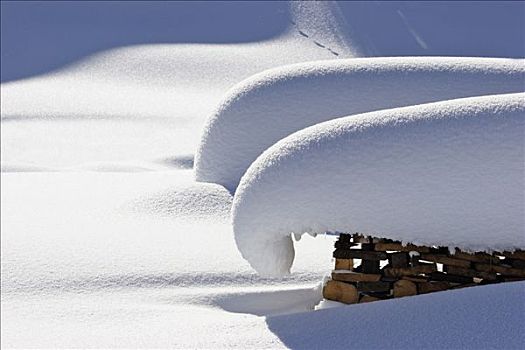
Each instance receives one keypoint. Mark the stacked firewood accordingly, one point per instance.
(388, 269)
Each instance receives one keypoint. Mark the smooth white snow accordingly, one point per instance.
(485, 317)
(117, 260)
(107, 241)
(449, 173)
(110, 106)
(263, 109)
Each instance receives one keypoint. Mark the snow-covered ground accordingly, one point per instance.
(107, 240)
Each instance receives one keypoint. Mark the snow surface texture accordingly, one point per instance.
(432, 321)
(69, 119)
(107, 242)
(448, 173)
(271, 105)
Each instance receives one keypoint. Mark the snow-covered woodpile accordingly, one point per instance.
(389, 269)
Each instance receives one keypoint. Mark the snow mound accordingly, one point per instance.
(485, 317)
(449, 173)
(273, 104)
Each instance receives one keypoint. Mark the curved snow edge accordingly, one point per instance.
(448, 173)
(275, 103)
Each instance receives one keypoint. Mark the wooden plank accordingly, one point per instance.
(344, 264)
(430, 287)
(403, 288)
(399, 259)
(340, 291)
(368, 298)
(373, 286)
(359, 254)
(383, 247)
(476, 257)
(440, 276)
(355, 277)
(455, 270)
(445, 260)
(409, 271)
(505, 271)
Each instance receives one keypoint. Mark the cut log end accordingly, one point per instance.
(403, 288)
(341, 292)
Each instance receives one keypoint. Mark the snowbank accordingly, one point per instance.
(448, 173)
(273, 104)
(485, 317)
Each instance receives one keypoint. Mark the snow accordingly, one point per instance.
(485, 317)
(107, 260)
(138, 93)
(449, 173)
(106, 239)
(263, 109)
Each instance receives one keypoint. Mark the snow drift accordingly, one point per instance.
(273, 104)
(485, 317)
(449, 173)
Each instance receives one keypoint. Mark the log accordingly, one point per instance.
(359, 254)
(518, 264)
(373, 286)
(440, 250)
(344, 264)
(409, 271)
(366, 239)
(445, 260)
(389, 279)
(415, 279)
(345, 238)
(512, 279)
(344, 241)
(371, 266)
(414, 260)
(430, 287)
(454, 270)
(505, 271)
(476, 257)
(399, 259)
(369, 247)
(440, 276)
(340, 291)
(357, 238)
(403, 288)
(383, 247)
(344, 245)
(517, 254)
(368, 298)
(355, 277)
(464, 285)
